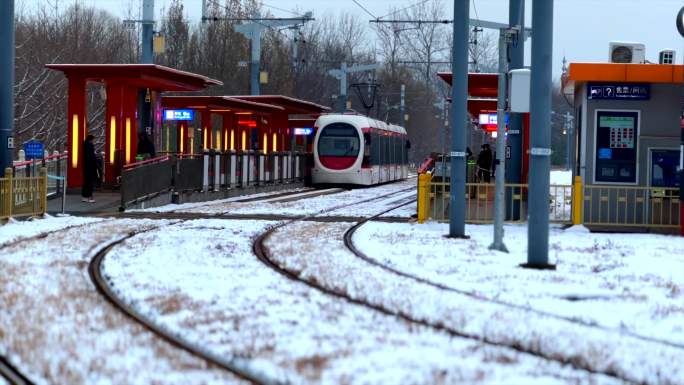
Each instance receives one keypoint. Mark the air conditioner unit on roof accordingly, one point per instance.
(626, 52)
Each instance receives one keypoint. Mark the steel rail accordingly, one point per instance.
(262, 253)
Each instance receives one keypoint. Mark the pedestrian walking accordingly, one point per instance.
(484, 164)
(89, 170)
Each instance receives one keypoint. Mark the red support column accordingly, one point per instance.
(205, 124)
(76, 130)
(129, 132)
(114, 126)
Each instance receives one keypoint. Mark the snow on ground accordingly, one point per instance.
(561, 177)
(201, 280)
(628, 282)
(304, 206)
(194, 205)
(331, 265)
(57, 329)
(19, 230)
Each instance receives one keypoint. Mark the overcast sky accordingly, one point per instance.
(582, 28)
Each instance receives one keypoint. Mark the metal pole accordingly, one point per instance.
(500, 161)
(516, 17)
(6, 83)
(402, 106)
(459, 117)
(540, 136)
(343, 88)
(255, 41)
(147, 31)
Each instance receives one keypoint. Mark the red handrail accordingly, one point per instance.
(147, 161)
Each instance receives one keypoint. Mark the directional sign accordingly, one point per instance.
(179, 114)
(34, 150)
(303, 131)
(619, 91)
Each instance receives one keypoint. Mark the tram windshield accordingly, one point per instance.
(338, 139)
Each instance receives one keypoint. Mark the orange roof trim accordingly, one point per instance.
(628, 73)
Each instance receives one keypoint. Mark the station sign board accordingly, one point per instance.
(303, 131)
(179, 114)
(619, 91)
(34, 150)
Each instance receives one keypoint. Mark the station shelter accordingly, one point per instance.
(123, 118)
(482, 103)
(238, 123)
(626, 142)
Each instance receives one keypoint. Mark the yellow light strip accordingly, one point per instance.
(225, 139)
(128, 140)
(112, 139)
(74, 141)
(192, 146)
(182, 139)
(205, 138)
(275, 142)
(244, 140)
(232, 139)
(243, 113)
(218, 142)
(220, 110)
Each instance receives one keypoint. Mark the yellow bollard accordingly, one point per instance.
(9, 190)
(577, 201)
(43, 191)
(423, 191)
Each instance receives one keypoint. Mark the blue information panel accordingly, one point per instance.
(619, 91)
(34, 150)
(303, 131)
(179, 114)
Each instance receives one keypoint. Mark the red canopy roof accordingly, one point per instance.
(218, 103)
(291, 105)
(480, 85)
(152, 76)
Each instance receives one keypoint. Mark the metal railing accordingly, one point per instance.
(23, 196)
(631, 206)
(434, 200)
(56, 165)
(210, 171)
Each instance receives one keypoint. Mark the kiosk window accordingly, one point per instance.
(664, 165)
(616, 139)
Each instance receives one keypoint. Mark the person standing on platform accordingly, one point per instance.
(89, 170)
(484, 164)
(145, 147)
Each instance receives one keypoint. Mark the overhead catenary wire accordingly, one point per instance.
(364, 8)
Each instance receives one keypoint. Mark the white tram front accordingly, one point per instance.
(354, 149)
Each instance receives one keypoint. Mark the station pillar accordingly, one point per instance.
(76, 130)
(129, 134)
(114, 127)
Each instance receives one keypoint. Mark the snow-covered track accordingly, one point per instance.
(237, 366)
(349, 243)
(12, 374)
(263, 254)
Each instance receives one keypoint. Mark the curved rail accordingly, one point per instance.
(262, 253)
(238, 366)
(349, 243)
(12, 374)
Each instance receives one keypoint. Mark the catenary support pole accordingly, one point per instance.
(459, 117)
(540, 136)
(6, 83)
(516, 18)
(402, 106)
(146, 57)
(500, 161)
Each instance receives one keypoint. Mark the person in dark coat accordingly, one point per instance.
(89, 169)
(145, 146)
(484, 164)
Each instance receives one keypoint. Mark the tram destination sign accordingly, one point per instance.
(619, 91)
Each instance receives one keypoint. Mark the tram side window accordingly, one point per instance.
(375, 149)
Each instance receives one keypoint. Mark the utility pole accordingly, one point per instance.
(146, 57)
(505, 38)
(6, 84)
(341, 75)
(402, 106)
(516, 19)
(540, 136)
(253, 31)
(459, 118)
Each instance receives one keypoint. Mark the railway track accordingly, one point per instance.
(349, 243)
(12, 374)
(262, 253)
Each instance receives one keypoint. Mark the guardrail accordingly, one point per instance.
(434, 201)
(23, 196)
(631, 206)
(211, 171)
(56, 165)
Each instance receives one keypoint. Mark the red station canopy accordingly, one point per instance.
(292, 106)
(482, 91)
